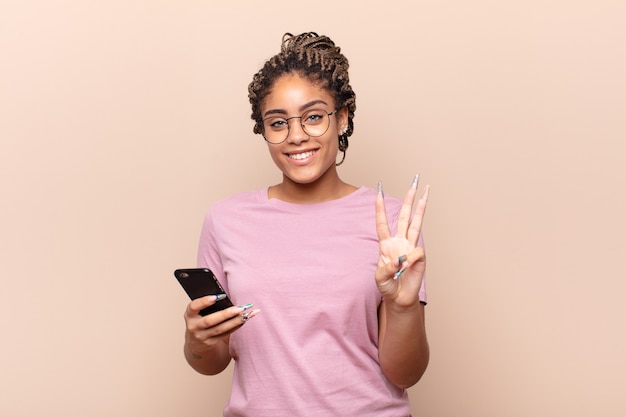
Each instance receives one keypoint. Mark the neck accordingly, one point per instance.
(324, 189)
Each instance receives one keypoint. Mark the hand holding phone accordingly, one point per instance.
(200, 282)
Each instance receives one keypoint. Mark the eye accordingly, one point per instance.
(314, 117)
(275, 123)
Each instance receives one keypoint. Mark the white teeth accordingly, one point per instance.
(301, 155)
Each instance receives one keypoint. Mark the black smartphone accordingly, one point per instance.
(198, 282)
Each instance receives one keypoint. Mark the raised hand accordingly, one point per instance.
(401, 263)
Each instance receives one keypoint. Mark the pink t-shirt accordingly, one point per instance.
(313, 349)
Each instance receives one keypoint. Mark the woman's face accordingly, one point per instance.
(302, 158)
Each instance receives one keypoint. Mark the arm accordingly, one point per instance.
(403, 347)
(207, 338)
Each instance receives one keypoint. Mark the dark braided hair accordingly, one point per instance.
(313, 57)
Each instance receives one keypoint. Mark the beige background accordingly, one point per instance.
(122, 121)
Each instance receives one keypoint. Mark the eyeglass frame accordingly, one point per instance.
(301, 125)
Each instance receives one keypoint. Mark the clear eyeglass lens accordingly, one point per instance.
(314, 123)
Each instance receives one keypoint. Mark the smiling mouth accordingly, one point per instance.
(303, 155)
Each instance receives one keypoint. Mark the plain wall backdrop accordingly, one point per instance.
(121, 122)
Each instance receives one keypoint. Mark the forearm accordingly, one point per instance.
(207, 362)
(403, 347)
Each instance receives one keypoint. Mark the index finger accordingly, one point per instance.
(195, 306)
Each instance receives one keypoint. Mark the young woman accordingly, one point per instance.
(335, 272)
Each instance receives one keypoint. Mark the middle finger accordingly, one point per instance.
(404, 218)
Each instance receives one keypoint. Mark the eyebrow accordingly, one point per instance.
(302, 108)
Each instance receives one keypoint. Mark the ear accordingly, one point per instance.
(342, 120)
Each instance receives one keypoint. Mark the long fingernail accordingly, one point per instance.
(402, 259)
(415, 181)
(245, 307)
(400, 272)
(219, 297)
(379, 189)
(248, 315)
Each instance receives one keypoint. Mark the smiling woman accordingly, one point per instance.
(341, 333)
(305, 152)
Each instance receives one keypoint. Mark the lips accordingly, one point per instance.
(301, 155)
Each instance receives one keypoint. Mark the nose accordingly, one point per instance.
(296, 133)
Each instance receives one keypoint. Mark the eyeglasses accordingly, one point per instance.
(314, 123)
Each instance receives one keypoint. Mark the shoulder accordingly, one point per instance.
(238, 207)
(365, 195)
(242, 200)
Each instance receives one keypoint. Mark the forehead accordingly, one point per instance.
(291, 91)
